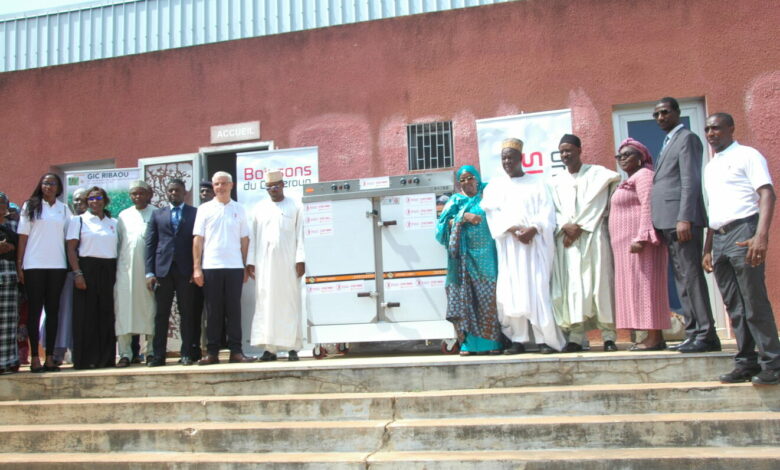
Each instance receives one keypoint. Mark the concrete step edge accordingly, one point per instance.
(529, 390)
(737, 416)
(194, 426)
(639, 453)
(589, 419)
(632, 453)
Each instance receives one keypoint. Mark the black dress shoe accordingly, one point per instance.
(572, 347)
(767, 377)
(209, 360)
(292, 356)
(186, 361)
(739, 374)
(516, 348)
(685, 342)
(610, 346)
(240, 358)
(699, 347)
(268, 356)
(545, 349)
(155, 363)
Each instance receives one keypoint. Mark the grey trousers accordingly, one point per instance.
(743, 289)
(691, 284)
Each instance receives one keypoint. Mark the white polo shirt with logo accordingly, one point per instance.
(45, 236)
(222, 227)
(731, 179)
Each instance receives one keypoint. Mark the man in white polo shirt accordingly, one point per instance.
(219, 249)
(740, 207)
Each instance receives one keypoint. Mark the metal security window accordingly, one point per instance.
(430, 145)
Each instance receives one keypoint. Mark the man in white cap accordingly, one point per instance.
(133, 303)
(521, 217)
(276, 260)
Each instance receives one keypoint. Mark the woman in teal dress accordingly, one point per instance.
(471, 267)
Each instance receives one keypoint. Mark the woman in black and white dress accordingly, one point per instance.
(92, 252)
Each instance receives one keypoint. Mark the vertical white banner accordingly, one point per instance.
(540, 133)
(299, 166)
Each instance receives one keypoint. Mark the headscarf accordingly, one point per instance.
(458, 204)
(647, 160)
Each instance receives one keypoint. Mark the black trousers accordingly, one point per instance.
(94, 337)
(743, 288)
(222, 293)
(691, 284)
(44, 287)
(190, 302)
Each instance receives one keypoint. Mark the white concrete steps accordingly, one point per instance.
(590, 411)
(465, 434)
(688, 458)
(504, 402)
(367, 375)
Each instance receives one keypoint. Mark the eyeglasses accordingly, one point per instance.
(466, 179)
(660, 112)
(95, 198)
(625, 155)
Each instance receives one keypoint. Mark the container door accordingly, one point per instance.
(340, 265)
(414, 263)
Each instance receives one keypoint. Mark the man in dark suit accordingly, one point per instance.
(678, 214)
(169, 270)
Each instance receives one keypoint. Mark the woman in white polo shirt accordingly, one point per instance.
(40, 262)
(92, 251)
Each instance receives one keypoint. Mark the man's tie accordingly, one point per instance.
(175, 218)
(666, 141)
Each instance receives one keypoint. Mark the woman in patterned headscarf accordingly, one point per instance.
(471, 267)
(641, 302)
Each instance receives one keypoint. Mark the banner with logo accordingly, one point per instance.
(299, 166)
(540, 133)
(115, 181)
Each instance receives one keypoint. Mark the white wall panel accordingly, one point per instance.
(111, 28)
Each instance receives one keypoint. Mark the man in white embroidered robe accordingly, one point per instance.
(582, 279)
(276, 261)
(134, 304)
(521, 218)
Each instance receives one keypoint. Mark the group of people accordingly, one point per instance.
(545, 262)
(529, 261)
(104, 282)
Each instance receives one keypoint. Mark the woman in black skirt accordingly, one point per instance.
(92, 252)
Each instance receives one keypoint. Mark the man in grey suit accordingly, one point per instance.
(678, 214)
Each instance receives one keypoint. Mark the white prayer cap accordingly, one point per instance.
(273, 177)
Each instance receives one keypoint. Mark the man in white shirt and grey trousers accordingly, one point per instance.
(741, 203)
(219, 250)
